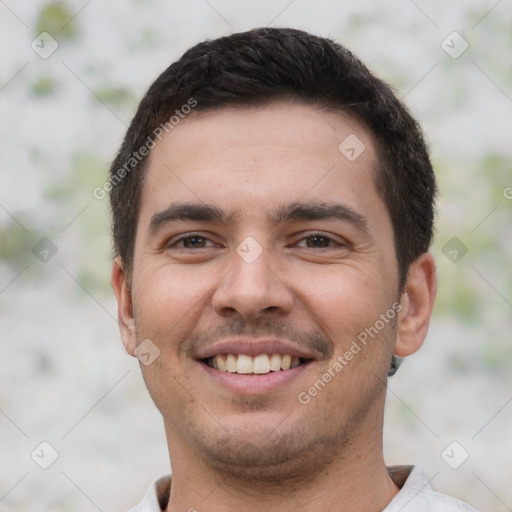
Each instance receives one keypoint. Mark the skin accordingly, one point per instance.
(260, 450)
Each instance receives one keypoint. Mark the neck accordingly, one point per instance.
(356, 479)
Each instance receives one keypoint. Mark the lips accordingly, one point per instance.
(255, 347)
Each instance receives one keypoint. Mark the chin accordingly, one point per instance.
(264, 453)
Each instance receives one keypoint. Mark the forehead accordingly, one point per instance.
(249, 160)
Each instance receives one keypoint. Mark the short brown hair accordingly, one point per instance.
(271, 64)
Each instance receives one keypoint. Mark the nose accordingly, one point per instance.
(252, 289)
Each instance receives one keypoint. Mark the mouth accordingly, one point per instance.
(255, 367)
(262, 364)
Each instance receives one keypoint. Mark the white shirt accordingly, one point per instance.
(415, 495)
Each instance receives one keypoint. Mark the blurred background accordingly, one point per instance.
(78, 429)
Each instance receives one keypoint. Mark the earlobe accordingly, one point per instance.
(417, 302)
(124, 306)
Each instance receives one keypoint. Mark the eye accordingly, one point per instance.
(318, 241)
(191, 241)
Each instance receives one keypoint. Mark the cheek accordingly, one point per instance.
(168, 300)
(345, 299)
(168, 303)
(348, 305)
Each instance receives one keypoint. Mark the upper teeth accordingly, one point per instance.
(264, 363)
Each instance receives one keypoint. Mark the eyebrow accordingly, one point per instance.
(186, 211)
(293, 212)
(320, 211)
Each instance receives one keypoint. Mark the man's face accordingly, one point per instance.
(287, 250)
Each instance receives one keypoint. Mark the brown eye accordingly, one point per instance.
(193, 242)
(318, 241)
(190, 241)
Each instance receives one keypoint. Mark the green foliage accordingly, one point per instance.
(148, 38)
(57, 19)
(74, 194)
(120, 97)
(456, 295)
(497, 356)
(474, 210)
(495, 171)
(43, 86)
(15, 243)
(87, 172)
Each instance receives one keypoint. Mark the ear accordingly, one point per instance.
(417, 302)
(124, 306)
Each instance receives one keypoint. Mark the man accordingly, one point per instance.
(272, 212)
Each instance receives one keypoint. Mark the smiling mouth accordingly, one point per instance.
(244, 364)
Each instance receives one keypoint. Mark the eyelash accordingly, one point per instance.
(187, 237)
(318, 234)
